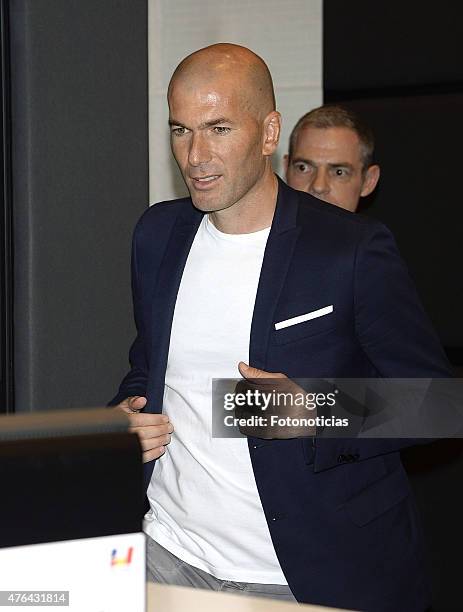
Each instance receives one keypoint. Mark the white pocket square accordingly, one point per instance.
(321, 312)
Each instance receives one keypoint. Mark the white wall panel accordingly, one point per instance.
(286, 34)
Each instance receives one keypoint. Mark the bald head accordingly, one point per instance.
(224, 129)
(231, 65)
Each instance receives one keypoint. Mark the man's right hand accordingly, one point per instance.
(153, 429)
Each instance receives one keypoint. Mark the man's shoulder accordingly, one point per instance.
(164, 214)
(315, 215)
(311, 208)
(165, 209)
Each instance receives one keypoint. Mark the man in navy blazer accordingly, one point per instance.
(339, 512)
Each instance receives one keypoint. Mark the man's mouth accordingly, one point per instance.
(204, 182)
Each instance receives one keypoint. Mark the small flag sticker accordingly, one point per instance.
(116, 560)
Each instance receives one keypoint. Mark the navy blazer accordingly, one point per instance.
(340, 512)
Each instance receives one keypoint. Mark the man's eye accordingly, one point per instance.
(178, 131)
(301, 167)
(220, 129)
(341, 172)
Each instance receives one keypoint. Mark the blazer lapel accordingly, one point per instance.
(278, 253)
(165, 296)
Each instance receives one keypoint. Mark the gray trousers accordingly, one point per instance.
(165, 568)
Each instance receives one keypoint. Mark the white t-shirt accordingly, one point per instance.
(205, 508)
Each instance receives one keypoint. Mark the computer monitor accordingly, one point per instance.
(71, 508)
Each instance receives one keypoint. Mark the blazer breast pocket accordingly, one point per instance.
(305, 324)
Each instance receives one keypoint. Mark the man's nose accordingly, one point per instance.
(320, 183)
(199, 152)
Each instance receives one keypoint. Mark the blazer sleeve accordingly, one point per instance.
(135, 382)
(394, 332)
(391, 324)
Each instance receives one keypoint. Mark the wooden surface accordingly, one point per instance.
(165, 598)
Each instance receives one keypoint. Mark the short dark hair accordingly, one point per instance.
(331, 115)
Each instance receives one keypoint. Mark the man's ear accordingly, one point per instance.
(370, 180)
(272, 129)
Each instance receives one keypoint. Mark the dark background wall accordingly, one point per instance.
(6, 275)
(399, 65)
(80, 181)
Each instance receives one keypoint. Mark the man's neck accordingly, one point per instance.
(251, 214)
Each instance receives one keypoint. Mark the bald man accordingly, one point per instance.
(220, 281)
